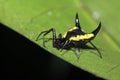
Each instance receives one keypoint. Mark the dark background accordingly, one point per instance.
(22, 59)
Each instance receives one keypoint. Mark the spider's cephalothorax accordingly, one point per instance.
(73, 38)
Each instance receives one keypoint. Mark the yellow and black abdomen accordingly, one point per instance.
(80, 40)
(81, 37)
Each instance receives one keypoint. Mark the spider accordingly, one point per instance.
(73, 38)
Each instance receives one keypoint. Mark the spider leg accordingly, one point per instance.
(66, 42)
(96, 49)
(77, 52)
(45, 33)
(40, 34)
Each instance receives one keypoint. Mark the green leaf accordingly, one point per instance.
(30, 17)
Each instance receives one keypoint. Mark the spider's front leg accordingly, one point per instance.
(45, 33)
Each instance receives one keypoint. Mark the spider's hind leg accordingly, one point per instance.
(77, 52)
(96, 49)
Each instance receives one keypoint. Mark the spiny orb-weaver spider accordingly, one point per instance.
(73, 38)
